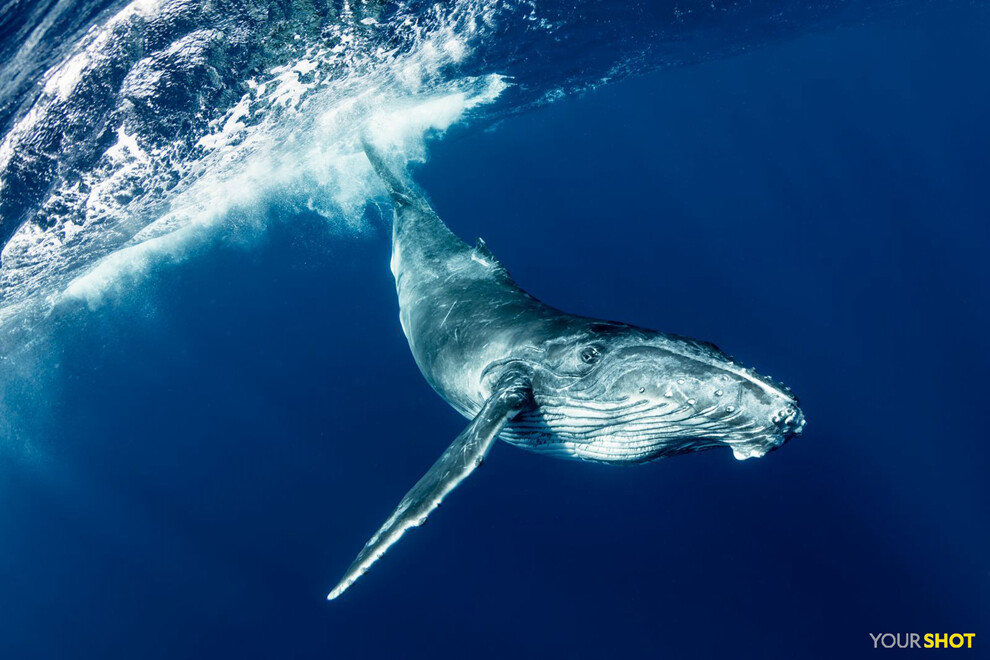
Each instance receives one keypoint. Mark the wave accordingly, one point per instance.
(165, 122)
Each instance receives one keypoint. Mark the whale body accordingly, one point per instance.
(548, 381)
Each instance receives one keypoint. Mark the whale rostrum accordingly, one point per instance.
(548, 381)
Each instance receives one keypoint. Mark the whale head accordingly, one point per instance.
(616, 393)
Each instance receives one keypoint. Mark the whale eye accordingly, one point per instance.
(590, 354)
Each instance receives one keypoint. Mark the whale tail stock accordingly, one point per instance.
(402, 192)
(414, 216)
(469, 449)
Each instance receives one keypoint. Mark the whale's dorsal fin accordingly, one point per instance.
(482, 250)
(484, 256)
(467, 452)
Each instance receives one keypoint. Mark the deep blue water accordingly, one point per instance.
(200, 459)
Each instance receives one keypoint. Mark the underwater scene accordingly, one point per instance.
(702, 284)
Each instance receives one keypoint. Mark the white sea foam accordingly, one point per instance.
(294, 136)
(328, 174)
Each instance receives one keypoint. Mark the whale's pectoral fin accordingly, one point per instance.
(461, 458)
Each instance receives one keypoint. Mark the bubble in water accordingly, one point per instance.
(718, 392)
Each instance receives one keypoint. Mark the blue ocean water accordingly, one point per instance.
(194, 453)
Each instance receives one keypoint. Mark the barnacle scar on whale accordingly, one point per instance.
(548, 381)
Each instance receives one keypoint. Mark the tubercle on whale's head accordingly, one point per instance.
(633, 395)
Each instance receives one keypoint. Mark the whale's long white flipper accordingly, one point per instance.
(461, 458)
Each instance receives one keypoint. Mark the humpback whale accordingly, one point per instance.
(548, 381)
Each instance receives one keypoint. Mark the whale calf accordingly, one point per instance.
(548, 381)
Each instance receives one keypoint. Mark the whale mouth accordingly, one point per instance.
(788, 424)
(756, 448)
(745, 452)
